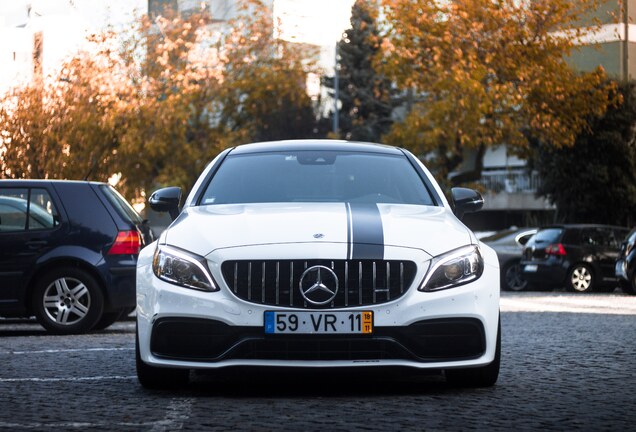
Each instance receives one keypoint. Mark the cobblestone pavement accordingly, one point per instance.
(567, 364)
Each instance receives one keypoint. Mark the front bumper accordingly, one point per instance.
(179, 327)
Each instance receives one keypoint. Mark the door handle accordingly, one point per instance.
(36, 244)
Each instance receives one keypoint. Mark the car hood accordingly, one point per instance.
(205, 229)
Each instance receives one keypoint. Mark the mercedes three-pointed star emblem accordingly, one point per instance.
(318, 285)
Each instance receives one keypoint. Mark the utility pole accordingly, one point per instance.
(626, 41)
(336, 96)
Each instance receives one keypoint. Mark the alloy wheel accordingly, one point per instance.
(66, 301)
(513, 278)
(581, 279)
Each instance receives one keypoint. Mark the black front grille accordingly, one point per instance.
(360, 282)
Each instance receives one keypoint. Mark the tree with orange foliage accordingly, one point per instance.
(489, 72)
(66, 125)
(158, 106)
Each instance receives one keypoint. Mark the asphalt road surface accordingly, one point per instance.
(568, 363)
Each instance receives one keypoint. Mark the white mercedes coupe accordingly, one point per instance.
(317, 254)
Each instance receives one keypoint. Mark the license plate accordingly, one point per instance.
(530, 268)
(302, 322)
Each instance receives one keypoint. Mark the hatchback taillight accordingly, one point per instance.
(555, 249)
(126, 243)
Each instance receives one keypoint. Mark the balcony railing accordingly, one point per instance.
(517, 181)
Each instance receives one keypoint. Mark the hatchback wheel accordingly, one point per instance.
(67, 301)
(513, 278)
(581, 278)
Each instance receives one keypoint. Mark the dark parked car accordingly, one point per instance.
(68, 253)
(626, 264)
(581, 257)
(509, 247)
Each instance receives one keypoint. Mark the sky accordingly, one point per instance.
(319, 22)
(95, 12)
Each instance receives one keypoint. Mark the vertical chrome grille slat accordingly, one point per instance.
(346, 284)
(388, 281)
(359, 282)
(378, 281)
(291, 283)
(375, 286)
(263, 284)
(249, 281)
(277, 283)
(333, 267)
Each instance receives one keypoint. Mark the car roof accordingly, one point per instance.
(508, 234)
(315, 144)
(579, 226)
(35, 182)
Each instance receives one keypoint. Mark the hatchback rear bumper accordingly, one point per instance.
(551, 273)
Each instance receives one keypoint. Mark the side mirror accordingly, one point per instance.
(466, 201)
(166, 200)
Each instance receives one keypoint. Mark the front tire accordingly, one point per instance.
(484, 376)
(158, 378)
(512, 278)
(580, 279)
(68, 301)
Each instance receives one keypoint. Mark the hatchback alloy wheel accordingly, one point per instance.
(581, 279)
(68, 300)
(513, 278)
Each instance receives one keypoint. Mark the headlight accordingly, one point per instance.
(182, 268)
(454, 268)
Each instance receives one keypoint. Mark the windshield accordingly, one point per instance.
(316, 176)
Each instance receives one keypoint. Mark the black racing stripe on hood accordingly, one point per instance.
(367, 233)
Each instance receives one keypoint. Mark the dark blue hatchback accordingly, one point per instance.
(68, 251)
(580, 256)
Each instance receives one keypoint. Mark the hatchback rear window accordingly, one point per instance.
(549, 235)
(120, 204)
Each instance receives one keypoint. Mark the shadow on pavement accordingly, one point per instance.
(283, 383)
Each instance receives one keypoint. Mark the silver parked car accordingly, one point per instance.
(509, 247)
